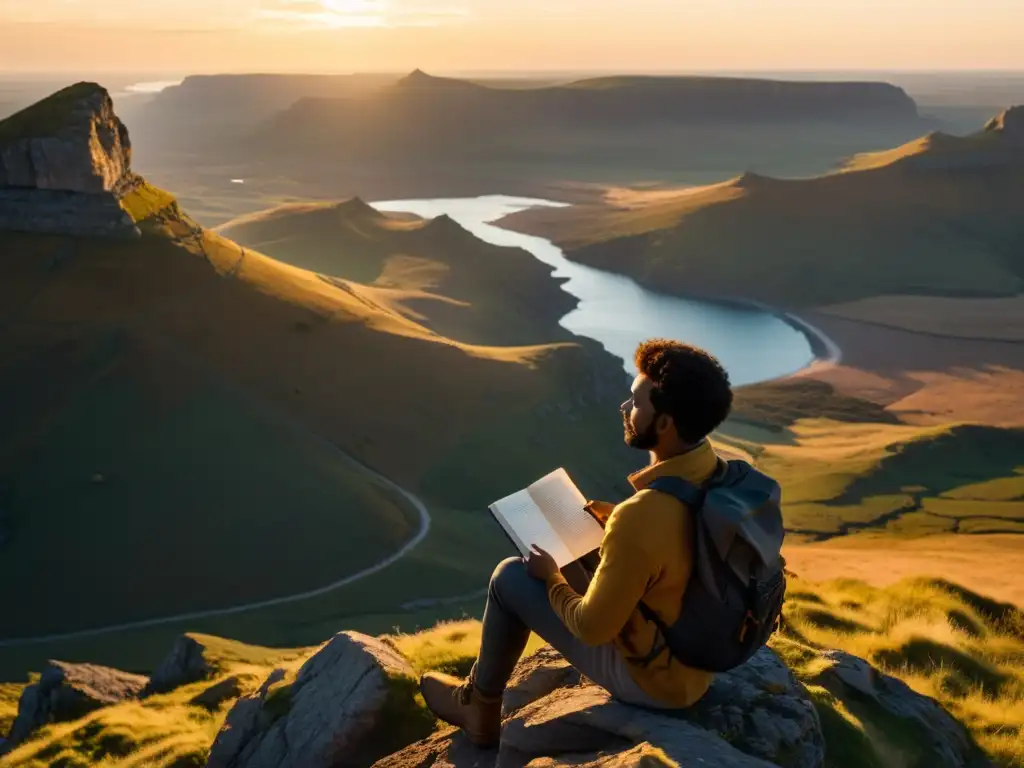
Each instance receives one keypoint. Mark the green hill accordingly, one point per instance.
(162, 398)
(433, 272)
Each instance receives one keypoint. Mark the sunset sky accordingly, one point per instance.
(191, 36)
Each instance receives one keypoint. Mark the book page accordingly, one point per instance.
(563, 506)
(526, 525)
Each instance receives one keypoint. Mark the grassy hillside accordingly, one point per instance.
(843, 477)
(857, 462)
(946, 642)
(433, 272)
(183, 411)
(939, 216)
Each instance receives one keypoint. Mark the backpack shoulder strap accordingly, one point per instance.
(692, 496)
(688, 493)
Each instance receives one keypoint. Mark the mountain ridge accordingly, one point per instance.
(432, 270)
(812, 241)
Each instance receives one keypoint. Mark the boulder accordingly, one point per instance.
(445, 748)
(185, 664)
(586, 721)
(640, 756)
(69, 691)
(762, 709)
(941, 740)
(536, 676)
(218, 693)
(755, 716)
(332, 713)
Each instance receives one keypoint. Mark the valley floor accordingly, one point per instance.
(982, 563)
(907, 457)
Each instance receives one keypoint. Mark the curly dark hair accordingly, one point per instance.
(690, 385)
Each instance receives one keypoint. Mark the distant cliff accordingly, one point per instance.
(204, 107)
(435, 108)
(65, 166)
(427, 136)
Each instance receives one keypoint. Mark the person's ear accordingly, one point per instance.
(664, 423)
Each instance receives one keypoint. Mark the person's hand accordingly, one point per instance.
(600, 510)
(540, 564)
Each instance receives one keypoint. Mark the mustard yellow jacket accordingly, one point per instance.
(646, 553)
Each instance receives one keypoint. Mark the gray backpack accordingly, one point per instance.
(734, 599)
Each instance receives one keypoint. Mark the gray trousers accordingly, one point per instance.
(517, 604)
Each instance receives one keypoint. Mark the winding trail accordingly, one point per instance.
(421, 534)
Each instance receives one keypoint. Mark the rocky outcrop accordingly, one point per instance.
(942, 741)
(70, 141)
(69, 691)
(1009, 124)
(65, 164)
(756, 716)
(329, 715)
(350, 704)
(186, 663)
(64, 213)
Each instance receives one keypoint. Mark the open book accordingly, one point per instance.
(550, 513)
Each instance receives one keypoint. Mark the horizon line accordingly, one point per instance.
(12, 75)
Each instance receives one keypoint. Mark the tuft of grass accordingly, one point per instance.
(846, 742)
(10, 694)
(127, 735)
(958, 647)
(161, 731)
(449, 647)
(229, 655)
(145, 201)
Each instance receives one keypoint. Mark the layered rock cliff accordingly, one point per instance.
(65, 166)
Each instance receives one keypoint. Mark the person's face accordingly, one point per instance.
(644, 428)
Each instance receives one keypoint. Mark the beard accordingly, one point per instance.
(643, 441)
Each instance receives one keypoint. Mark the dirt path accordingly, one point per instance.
(421, 534)
(982, 563)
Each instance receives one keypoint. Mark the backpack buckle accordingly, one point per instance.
(749, 622)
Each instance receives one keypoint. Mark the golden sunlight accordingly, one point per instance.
(332, 14)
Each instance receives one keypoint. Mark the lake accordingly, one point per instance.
(753, 344)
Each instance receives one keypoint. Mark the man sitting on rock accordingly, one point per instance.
(679, 397)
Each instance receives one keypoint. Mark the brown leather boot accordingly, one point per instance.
(458, 703)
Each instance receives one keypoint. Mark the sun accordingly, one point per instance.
(354, 6)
